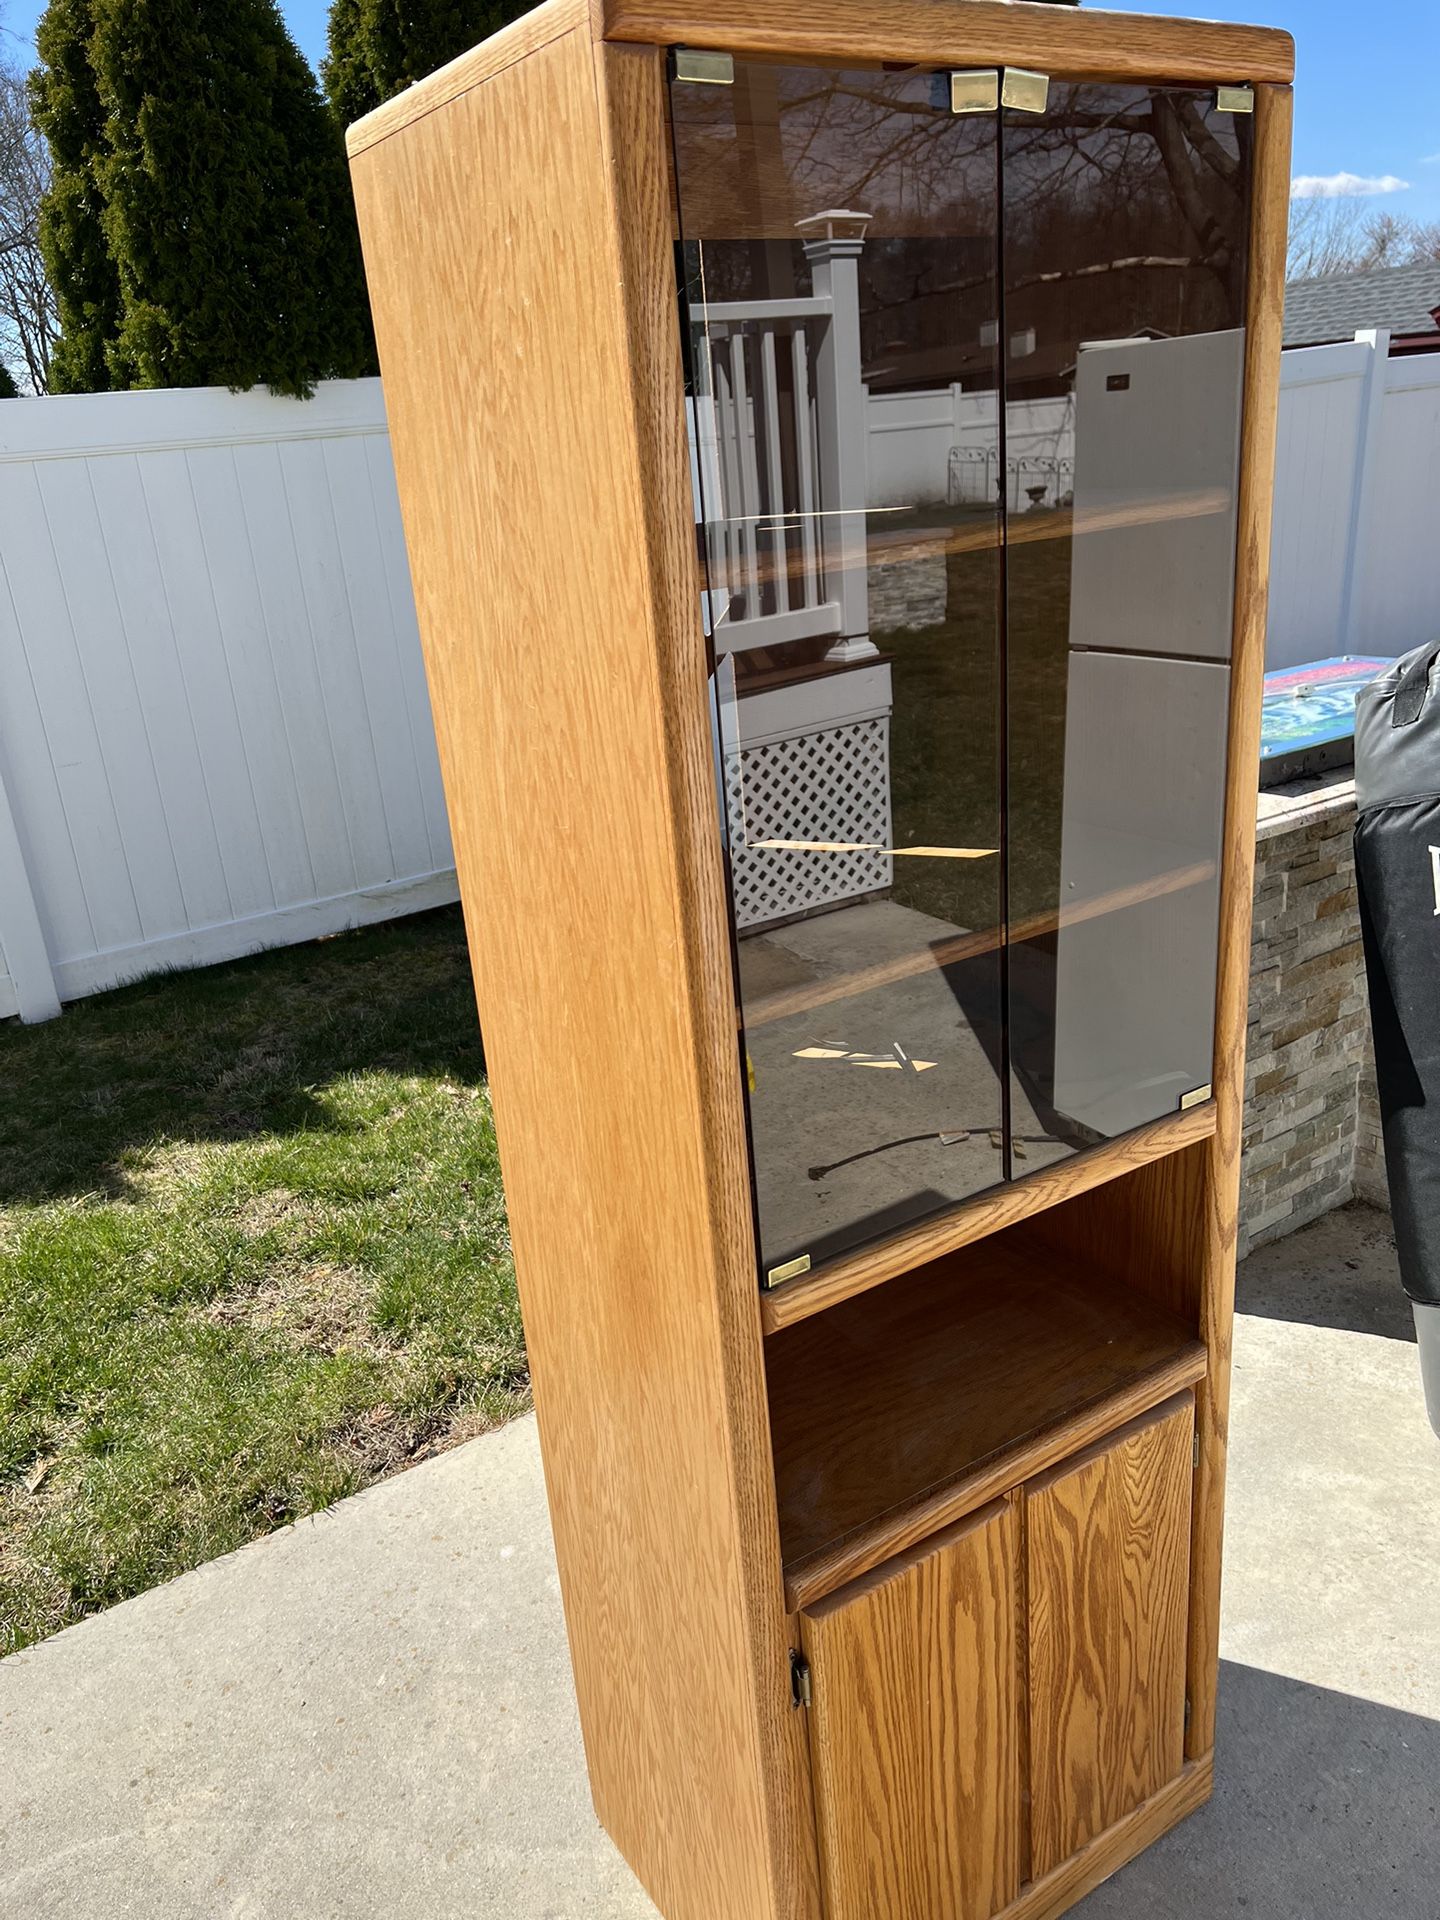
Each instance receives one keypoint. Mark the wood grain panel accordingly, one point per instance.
(1266, 296)
(1061, 40)
(913, 1731)
(1147, 1229)
(518, 262)
(1108, 1550)
(894, 1414)
(988, 1213)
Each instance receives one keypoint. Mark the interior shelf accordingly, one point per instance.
(900, 1411)
(988, 1213)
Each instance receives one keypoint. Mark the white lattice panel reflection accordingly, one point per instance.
(831, 785)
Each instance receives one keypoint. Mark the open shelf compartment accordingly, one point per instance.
(899, 1411)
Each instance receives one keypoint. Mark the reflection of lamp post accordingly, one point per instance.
(833, 241)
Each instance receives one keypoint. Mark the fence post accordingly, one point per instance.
(1367, 461)
(833, 245)
(22, 940)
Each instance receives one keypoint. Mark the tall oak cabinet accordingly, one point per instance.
(835, 444)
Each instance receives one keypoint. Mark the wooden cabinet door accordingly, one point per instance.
(1108, 1554)
(914, 1729)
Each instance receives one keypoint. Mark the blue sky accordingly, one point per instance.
(1367, 95)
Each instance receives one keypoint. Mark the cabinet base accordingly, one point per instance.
(1109, 1851)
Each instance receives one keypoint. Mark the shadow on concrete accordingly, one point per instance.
(1340, 1272)
(1325, 1808)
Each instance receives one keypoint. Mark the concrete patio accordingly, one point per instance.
(370, 1714)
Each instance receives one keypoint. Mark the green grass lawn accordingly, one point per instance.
(253, 1256)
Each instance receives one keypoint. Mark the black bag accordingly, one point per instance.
(1397, 864)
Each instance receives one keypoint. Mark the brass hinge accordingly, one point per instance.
(1030, 92)
(704, 69)
(1195, 1453)
(791, 1270)
(1196, 1097)
(977, 91)
(1235, 100)
(800, 1687)
(986, 89)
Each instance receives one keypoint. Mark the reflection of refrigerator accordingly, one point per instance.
(1157, 446)
(1139, 886)
(1155, 467)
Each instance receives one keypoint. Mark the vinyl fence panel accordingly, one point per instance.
(214, 729)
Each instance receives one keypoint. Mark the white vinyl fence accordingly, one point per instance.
(214, 730)
(1355, 562)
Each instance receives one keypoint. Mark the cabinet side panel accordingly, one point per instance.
(1107, 1539)
(914, 1731)
(495, 278)
(1264, 320)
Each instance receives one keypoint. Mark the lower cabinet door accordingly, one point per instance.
(914, 1729)
(1108, 1556)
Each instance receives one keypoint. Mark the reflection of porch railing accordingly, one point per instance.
(780, 448)
(779, 440)
(757, 463)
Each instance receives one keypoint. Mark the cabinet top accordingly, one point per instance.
(1069, 41)
(1079, 44)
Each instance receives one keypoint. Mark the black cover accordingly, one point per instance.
(1397, 863)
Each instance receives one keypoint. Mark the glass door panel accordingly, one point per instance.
(839, 272)
(1125, 231)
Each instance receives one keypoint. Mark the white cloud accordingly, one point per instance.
(1343, 186)
(1431, 160)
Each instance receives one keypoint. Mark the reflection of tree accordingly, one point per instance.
(1134, 205)
(1124, 209)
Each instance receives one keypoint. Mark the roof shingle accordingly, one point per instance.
(1335, 306)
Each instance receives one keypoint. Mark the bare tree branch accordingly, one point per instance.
(29, 324)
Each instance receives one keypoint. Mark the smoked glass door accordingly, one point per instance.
(1124, 238)
(839, 271)
(964, 388)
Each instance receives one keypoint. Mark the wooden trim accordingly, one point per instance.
(986, 1214)
(1264, 322)
(635, 113)
(493, 56)
(822, 1606)
(905, 1527)
(1048, 1898)
(1062, 40)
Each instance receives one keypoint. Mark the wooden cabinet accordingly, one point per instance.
(849, 1248)
(915, 1730)
(987, 1703)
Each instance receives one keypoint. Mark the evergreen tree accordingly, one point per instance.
(8, 388)
(380, 47)
(227, 202)
(66, 108)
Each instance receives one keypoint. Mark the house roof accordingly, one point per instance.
(1335, 306)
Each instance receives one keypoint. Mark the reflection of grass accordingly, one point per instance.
(944, 742)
